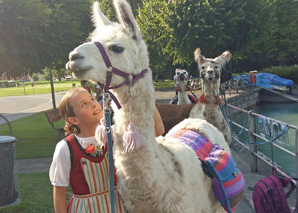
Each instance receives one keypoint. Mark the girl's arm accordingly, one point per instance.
(158, 124)
(59, 199)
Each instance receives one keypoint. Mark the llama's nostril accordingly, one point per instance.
(74, 56)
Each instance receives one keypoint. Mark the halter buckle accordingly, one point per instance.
(109, 70)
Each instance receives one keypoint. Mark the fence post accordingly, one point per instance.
(252, 139)
(230, 86)
(296, 144)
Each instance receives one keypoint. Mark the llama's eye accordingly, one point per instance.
(202, 67)
(216, 67)
(117, 48)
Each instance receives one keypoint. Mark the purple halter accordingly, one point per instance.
(111, 70)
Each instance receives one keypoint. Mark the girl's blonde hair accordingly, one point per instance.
(66, 111)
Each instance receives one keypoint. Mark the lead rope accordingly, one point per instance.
(108, 131)
(220, 107)
(193, 94)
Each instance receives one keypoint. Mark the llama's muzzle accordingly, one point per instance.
(181, 77)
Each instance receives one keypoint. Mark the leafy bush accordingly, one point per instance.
(290, 72)
(35, 76)
(4, 84)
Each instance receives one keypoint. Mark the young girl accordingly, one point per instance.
(80, 161)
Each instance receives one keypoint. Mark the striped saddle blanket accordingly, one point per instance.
(227, 181)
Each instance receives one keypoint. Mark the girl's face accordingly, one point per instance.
(86, 109)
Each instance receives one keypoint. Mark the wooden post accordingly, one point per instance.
(52, 89)
(252, 139)
(230, 86)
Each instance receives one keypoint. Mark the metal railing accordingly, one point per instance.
(253, 136)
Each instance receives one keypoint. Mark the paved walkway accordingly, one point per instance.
(16, 107)
(246, 205)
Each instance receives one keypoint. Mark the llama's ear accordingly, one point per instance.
(198, 56)
(98, 18)
(126, 18)
(224, 58)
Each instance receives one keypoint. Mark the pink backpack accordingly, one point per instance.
(269, 196)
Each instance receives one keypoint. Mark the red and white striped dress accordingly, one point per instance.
(89, 180)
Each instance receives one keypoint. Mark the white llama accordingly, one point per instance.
(207, 108)
(183, 98)
(160, 176)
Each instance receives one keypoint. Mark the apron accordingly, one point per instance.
(96, 175)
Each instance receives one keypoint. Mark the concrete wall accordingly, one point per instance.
(259, 96)
(272, 96)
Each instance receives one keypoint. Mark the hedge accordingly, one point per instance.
(289, 72)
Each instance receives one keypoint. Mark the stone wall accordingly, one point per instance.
(245, 99)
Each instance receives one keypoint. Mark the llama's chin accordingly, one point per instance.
(211, 80)
(78, 72)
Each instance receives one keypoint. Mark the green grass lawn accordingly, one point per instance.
(36, 194)
(164, 84)
(40, 87)
(35, 137)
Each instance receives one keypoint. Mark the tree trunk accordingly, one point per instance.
(156, 76)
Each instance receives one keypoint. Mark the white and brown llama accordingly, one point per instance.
(162, 175)
(172, 114)
(181, 77)
(207, 108)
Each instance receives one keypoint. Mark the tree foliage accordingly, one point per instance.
(259, 33)
(70, 25)
(275, 38)
(39, 33)
(174, 29)
(286, 32)
(21, 40)
(109, 11)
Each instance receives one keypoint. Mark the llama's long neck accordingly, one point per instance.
(208, 93)
(130, 166)
(182, 94)
(143, 103)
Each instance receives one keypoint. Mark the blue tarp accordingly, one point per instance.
(266, 80)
